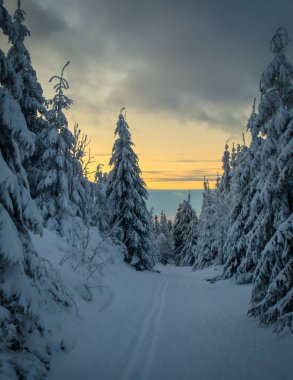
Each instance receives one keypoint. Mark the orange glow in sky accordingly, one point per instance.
(171, 155)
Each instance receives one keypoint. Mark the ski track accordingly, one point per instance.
(145, 344)
(175, 326)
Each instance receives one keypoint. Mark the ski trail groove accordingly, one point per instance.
(146, 341)
(149, 359)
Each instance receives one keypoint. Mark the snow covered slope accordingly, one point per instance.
(170, 325)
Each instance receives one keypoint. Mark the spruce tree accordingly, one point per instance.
(127, 194)
(240, 198)
(157, 225)
(184, 216)
(100, 212)
(187, 254)
(206, 249)
(53, 194)
(27, 284)
(32, 102)
(164, 241)
(272, 294)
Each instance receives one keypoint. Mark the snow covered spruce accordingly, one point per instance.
(28, 285)
(246, 223)
(42, 184)
(130, 220)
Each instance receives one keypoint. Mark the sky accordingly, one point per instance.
(187, 72)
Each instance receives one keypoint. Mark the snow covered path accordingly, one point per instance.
(171, 325)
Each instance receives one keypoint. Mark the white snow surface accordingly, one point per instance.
(171, 325)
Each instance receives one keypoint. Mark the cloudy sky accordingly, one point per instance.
(187, 71)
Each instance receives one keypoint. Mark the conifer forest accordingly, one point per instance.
(95, 283)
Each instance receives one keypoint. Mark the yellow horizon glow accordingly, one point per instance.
(172, 155)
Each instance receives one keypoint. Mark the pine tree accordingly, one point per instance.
(25, 281)
(272, 120)
(206, 249)
(80, 188)
(240, 201)
(226, 177)
(27, 284)
(184, 216)
(272, 239)
(187, 254)
(164, 241)
(53, 196)
(127, 194)
(31, 99)
(32, 102)
(100, 212)
(157, 225)
(9, 78)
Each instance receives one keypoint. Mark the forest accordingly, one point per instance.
(245, 228)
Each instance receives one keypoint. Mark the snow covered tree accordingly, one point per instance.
(241, 195)
(233, 157)
(164, 241)
(27, 284)
(53, 196)
(100, 212)
(164, 224)
(24, 280)
(31, 99)
(184, 216)
(170, 226)
(127, 194)
(187, 254)
(271, 240)
(157, 225)
(32, 102)
(273, 120)
(206, 249)
(80, 188)
(226, 177)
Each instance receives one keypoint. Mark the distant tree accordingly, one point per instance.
(184, 216)
(226, 177)
(206, 249)
(187, 254)
(170, 226)
(127, 194)
(100, 212)
(164, 241)
(157, 225)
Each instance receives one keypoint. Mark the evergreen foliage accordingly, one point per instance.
(206, 249)
(164, 240)
(184, 216)
(250, 212)
(127, 194)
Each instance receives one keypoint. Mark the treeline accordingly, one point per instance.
(175, 242)
(246, 223)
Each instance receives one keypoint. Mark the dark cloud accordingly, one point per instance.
(197, 60)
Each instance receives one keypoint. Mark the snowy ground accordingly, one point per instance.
(169, 325)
